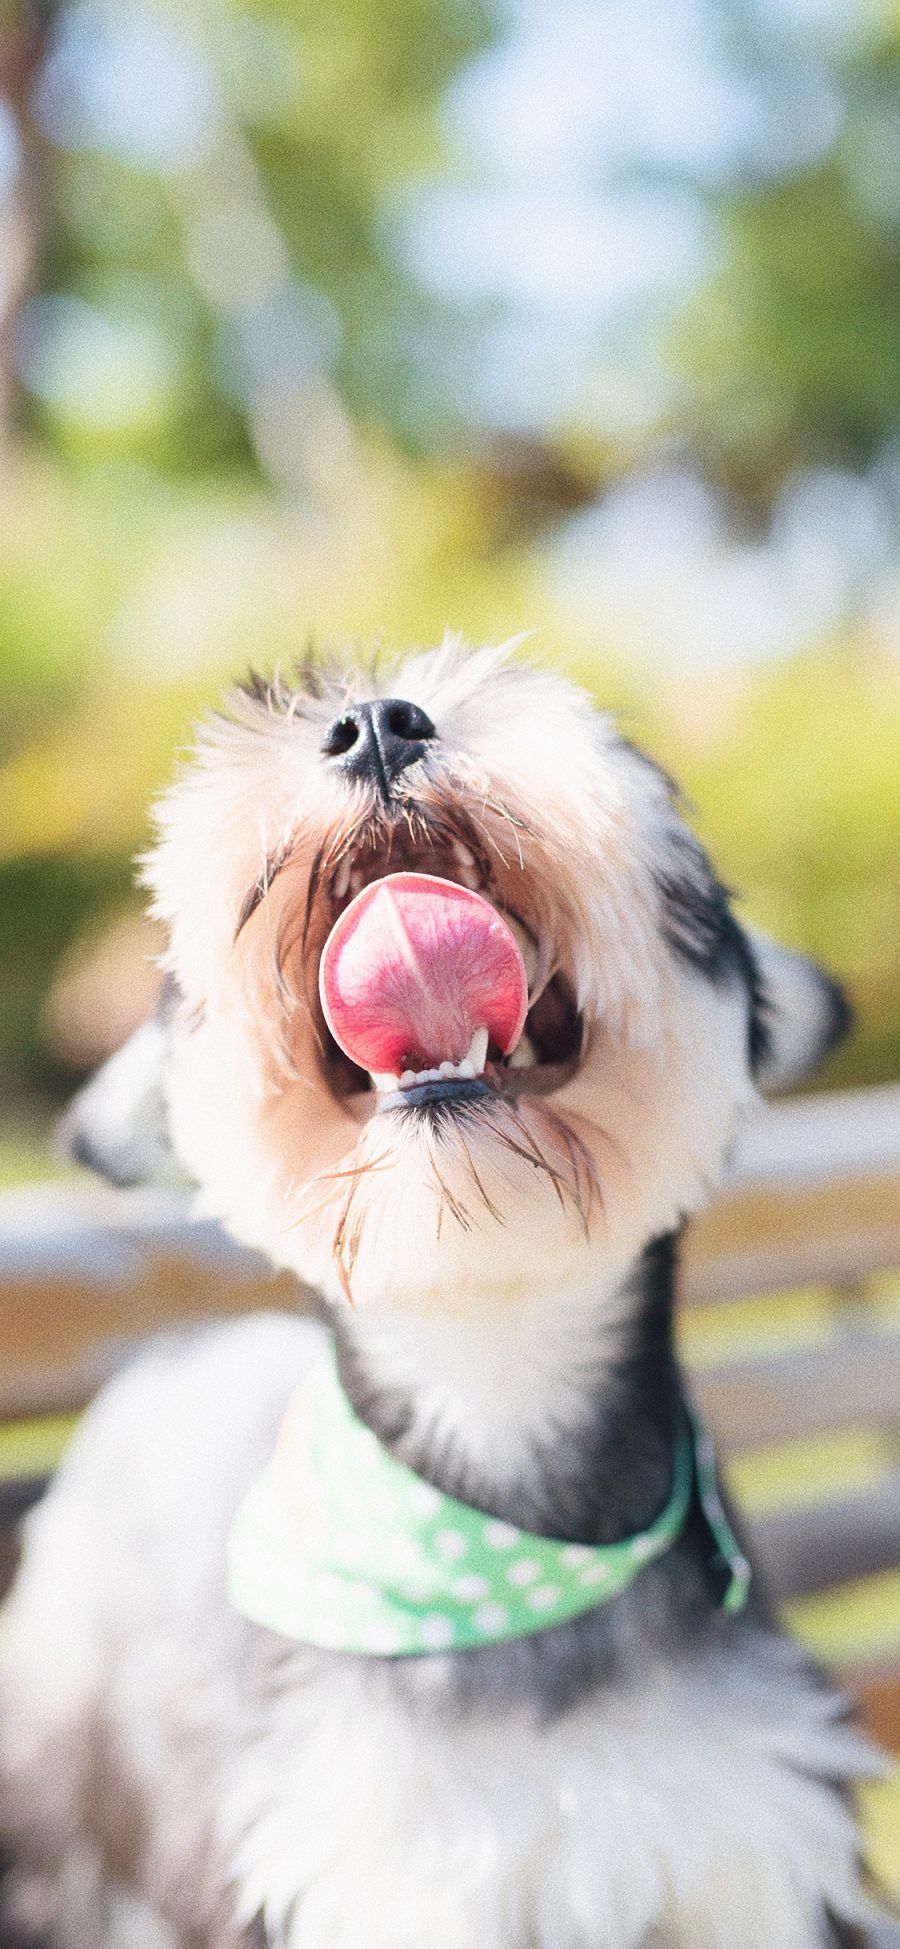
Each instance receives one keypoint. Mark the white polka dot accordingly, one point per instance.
(436, 1632)
(491, 1618)
(592, 1574)
(470, 1589)
(543, 1597)
(523, 1571)
(425, 1500)
(450, 1544)
(575, 1554)
(500, 1536)
(643, 1548)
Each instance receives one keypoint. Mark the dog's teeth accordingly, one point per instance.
(523, 1055)
(476, 1054)
(384, 1080)
(356, 880)
(342, 880)
(466, 867)
(472, 1065)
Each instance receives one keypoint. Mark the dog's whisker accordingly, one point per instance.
(367, 1167)
(490, 1206)
(354, 1176)
(580, 1160)
(273, 865)
(580, 1118)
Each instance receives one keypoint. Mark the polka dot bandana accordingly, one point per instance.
(338, 1544)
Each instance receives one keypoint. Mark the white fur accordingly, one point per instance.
(686, 1802)
(798, 1016)
(121, 1115)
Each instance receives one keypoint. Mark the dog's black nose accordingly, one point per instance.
(377, 741)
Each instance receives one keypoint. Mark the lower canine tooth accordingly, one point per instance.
(523, 1056)
(342, 879)
(477, 1050)
(384, 1080)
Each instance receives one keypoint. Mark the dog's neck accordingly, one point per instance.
(560, 1414)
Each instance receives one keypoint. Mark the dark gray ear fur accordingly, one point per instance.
(795, 1012)
(805, 1014)
(118, 1123)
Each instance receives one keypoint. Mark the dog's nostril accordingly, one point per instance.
(340, 736)
(408, 721)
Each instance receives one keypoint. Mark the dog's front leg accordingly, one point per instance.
(81, 1907)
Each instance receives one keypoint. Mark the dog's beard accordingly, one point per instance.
(420, 1202)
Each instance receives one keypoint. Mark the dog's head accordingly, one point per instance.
(465, 1014)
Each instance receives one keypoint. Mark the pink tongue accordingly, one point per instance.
(413, 967)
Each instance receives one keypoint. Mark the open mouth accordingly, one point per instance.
(433, 990)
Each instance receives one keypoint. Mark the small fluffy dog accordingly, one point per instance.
(464, 1025)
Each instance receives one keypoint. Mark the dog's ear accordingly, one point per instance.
(118, 1124)
(803, 1014)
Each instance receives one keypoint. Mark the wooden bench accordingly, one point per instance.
(789, 1324)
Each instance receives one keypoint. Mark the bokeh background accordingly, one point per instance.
(354, 323)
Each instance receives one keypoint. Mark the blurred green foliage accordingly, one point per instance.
(799, 797)
(235, 418)
(792, 346)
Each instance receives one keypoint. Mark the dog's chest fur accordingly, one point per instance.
(682, 1802)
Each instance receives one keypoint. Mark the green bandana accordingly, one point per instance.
(340, 1545)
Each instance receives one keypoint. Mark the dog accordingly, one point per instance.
(459, 1027)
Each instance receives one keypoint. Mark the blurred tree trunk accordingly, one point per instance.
(23, 38)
